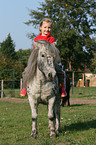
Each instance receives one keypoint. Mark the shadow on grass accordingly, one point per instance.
(81, 126)
(74, 105)
(80, 95)
(77, 105)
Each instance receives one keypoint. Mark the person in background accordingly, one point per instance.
(45, 34)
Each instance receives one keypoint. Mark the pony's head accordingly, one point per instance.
(45, 62)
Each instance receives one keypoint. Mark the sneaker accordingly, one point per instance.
(63, 91)
(23, 92)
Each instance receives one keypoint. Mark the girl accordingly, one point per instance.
(45, 29)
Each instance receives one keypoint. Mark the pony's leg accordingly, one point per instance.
(51, 116)
(57, 115)
(33, 105)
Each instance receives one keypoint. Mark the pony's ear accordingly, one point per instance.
(35, 44)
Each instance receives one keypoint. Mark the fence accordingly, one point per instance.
(81, 78)
(10, 88)
(81, 85)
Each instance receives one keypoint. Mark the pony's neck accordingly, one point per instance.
(39, 75)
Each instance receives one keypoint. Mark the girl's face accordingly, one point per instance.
(45, 28)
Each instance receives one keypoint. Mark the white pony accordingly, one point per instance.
(41, 81)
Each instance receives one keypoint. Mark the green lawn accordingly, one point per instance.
(79, 92)
(78, 124)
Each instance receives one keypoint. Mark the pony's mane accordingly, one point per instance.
(30, 70)
(31, 67)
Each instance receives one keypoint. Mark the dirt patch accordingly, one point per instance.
(82, 101)
(14, 100)
(72, 100)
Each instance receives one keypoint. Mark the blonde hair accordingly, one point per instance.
(45, 20)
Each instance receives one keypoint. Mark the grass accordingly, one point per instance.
(78, 124)
(81, 92)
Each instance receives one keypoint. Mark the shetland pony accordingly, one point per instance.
(41, 81)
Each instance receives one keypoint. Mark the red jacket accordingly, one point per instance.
(48, 38)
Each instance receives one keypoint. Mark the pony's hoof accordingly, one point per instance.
(58, 131)
(33, 136)
(52, 135)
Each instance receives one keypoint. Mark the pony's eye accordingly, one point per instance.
(43, 55)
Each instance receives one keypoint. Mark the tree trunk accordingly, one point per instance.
(69, 62)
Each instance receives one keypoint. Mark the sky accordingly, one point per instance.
(13, 14)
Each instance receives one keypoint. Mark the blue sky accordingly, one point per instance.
(13, 14)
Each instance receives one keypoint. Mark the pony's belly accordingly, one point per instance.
(42, 92)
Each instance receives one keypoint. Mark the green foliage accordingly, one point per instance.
(21, 63)
(5, 64)
(8, 48)
(72, 27)
(3, 61)
(93, 66)
(23, 56)
(10, 59)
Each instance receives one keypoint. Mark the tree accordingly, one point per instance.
(72, 27)
(23, 56)
(7, 47)
(93, 67)
(5, 64)
(3, 61)
(9, 59)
